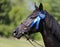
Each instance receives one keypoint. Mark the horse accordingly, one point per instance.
(48, 27)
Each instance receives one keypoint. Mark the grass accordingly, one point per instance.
(4, 42)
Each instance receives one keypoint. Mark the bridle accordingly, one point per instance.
(30, 39)
(41, 15)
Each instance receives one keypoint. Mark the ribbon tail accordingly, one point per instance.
(37, 24)
(32, 24)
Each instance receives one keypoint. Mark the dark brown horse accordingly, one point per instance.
(48, 27)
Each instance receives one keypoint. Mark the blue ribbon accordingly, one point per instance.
(41, 15)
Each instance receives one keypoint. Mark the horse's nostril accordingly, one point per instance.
(14, 33)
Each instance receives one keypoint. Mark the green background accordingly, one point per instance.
(13, 12)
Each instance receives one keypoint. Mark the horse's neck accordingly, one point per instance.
(49, 39)
(49, 36)
(46, 38)
(53, 26)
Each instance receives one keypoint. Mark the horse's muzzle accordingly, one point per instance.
(17, 35)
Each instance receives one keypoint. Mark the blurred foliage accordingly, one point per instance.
(36, 36)
(4, 10)
(55, 8)
(13, 12)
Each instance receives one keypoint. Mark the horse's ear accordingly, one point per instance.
(41, 6)
(35, 6)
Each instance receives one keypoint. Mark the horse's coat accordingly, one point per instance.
(51, 31)
(48, 27)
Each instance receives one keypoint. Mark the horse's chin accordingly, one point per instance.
(18, 36)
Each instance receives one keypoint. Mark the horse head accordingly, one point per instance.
(31, 24)
(40, 21)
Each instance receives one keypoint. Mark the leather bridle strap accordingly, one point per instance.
(30, 39)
